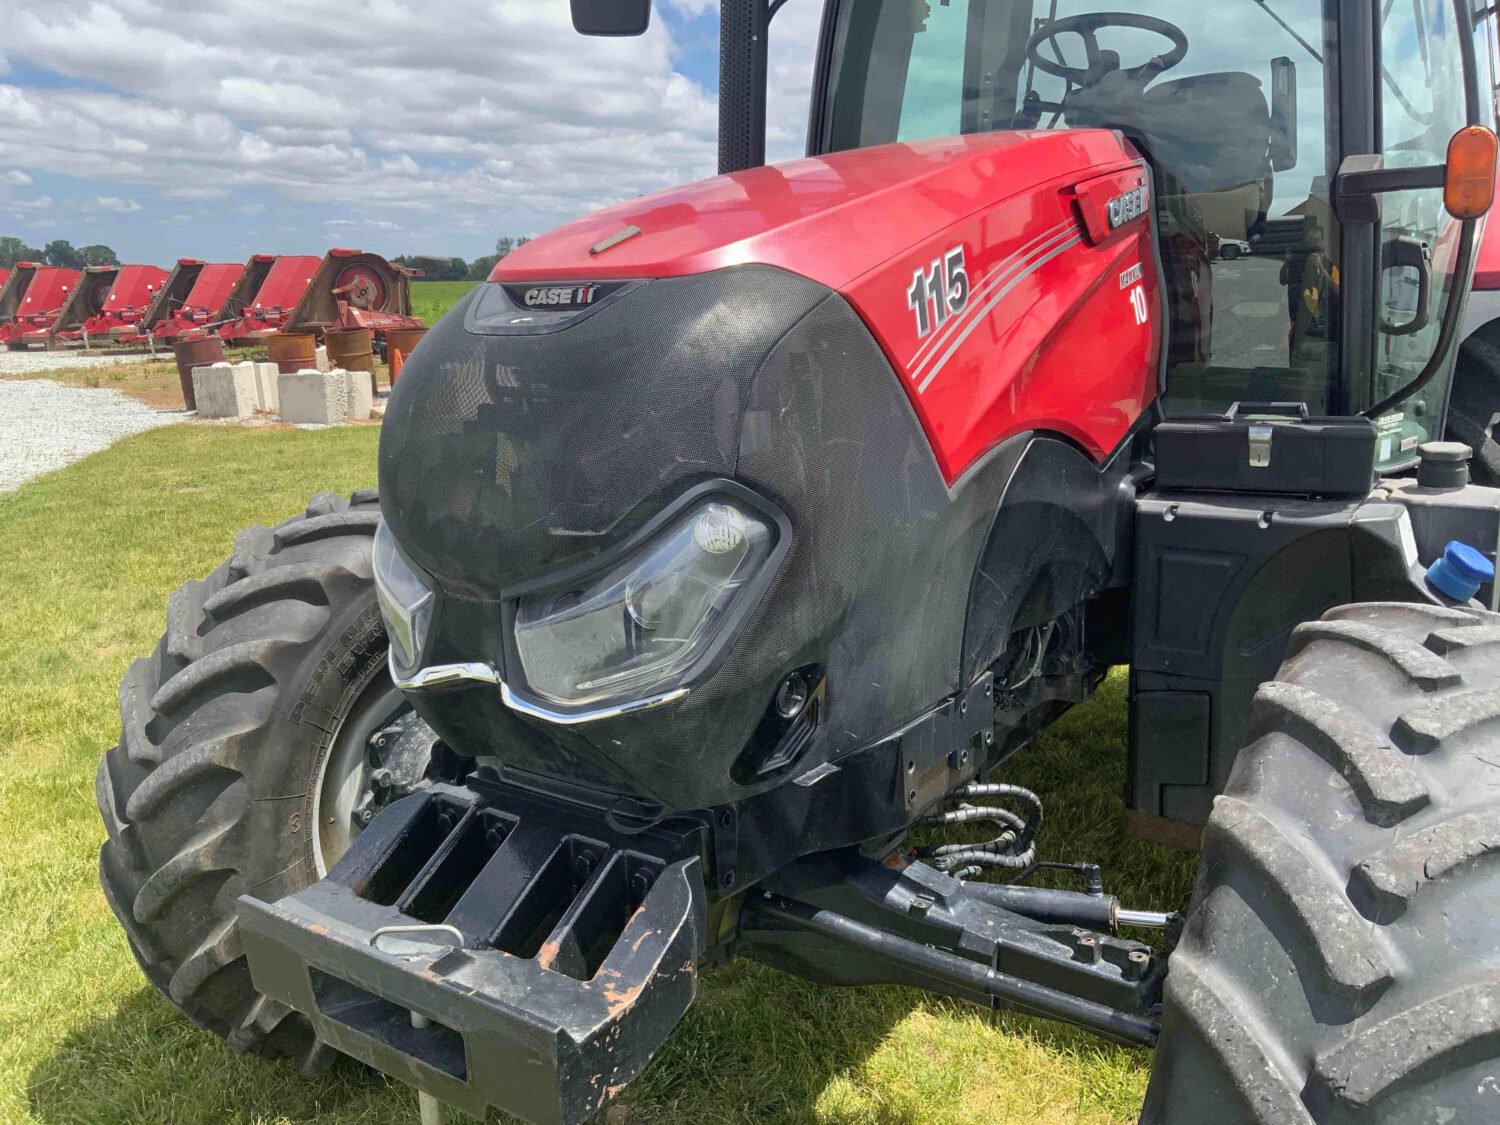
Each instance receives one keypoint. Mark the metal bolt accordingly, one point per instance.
(963, 707)
(726, 818)
(364, 816)
(382, 777)
(584, 864)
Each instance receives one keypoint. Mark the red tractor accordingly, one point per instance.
(727, 536)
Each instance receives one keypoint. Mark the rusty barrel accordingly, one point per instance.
(401, 340)
(191, 352)
(292, 352)
(353, 349)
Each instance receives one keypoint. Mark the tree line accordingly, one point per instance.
(59, 252)
(456, 269)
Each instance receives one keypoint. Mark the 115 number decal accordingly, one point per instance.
(939, 292)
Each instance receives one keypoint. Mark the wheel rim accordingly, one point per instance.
(343, 777)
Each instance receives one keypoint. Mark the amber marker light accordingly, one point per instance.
(1469, 185)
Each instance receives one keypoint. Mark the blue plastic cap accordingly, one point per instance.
(1460, 572)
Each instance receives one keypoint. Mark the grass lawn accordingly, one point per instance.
(89, 555)
(431, 299)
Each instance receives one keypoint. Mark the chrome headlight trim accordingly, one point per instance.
(458, 675)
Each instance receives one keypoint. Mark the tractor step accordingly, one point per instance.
(546, 953)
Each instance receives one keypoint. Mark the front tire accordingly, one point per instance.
(1230, 253)
(1341, 960)
(227, 731)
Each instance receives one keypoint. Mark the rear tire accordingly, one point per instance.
(1230, 253)
(209, 794)
(1341, 960)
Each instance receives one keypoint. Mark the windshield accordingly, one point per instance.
(1226, 99)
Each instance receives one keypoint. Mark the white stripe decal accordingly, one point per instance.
(931, 346)
(989, 306)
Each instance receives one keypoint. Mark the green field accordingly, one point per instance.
(89, 555)
(431, 299)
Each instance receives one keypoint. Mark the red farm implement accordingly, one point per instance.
(31, 301)
(194, 298)
(267, 294)
(128, 299)
(86, 300)
(353, 289)
(267, 291)
(346, 288)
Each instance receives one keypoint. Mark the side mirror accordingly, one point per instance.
(1283, 114)
(611, 17)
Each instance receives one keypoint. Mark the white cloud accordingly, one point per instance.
(494, 117)
(15, 178)
(116, 204)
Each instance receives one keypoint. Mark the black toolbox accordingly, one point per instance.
(1273, 447)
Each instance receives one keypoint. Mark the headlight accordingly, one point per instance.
(405, 601)
(644, 624)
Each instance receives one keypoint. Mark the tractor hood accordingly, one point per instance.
(831, 218)
(552, 430)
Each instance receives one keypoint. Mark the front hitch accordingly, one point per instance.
(493, 948)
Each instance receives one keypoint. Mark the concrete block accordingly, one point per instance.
(266, 395)
(361, 394)
(322, 357)
(225, 391)
(317, 397)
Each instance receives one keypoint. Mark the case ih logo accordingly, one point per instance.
(560, 296)
(1127, 207)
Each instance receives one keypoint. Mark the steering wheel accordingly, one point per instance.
(1088, 26)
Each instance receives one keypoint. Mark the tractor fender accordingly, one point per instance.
(1051, 546)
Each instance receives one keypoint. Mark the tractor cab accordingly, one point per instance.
(1246, 111)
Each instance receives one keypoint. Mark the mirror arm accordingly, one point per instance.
(1363, 179)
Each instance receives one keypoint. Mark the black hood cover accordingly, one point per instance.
(508, 455)
(514, 448)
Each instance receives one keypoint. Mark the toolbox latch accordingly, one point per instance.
(1261, 434)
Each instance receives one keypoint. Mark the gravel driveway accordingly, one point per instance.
(29, 363)
(45, 425)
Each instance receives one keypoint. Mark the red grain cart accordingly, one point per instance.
(268, 293)
(134, 291)
(31, 301)
(194, 298)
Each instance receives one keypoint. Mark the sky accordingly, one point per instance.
(199, 130)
